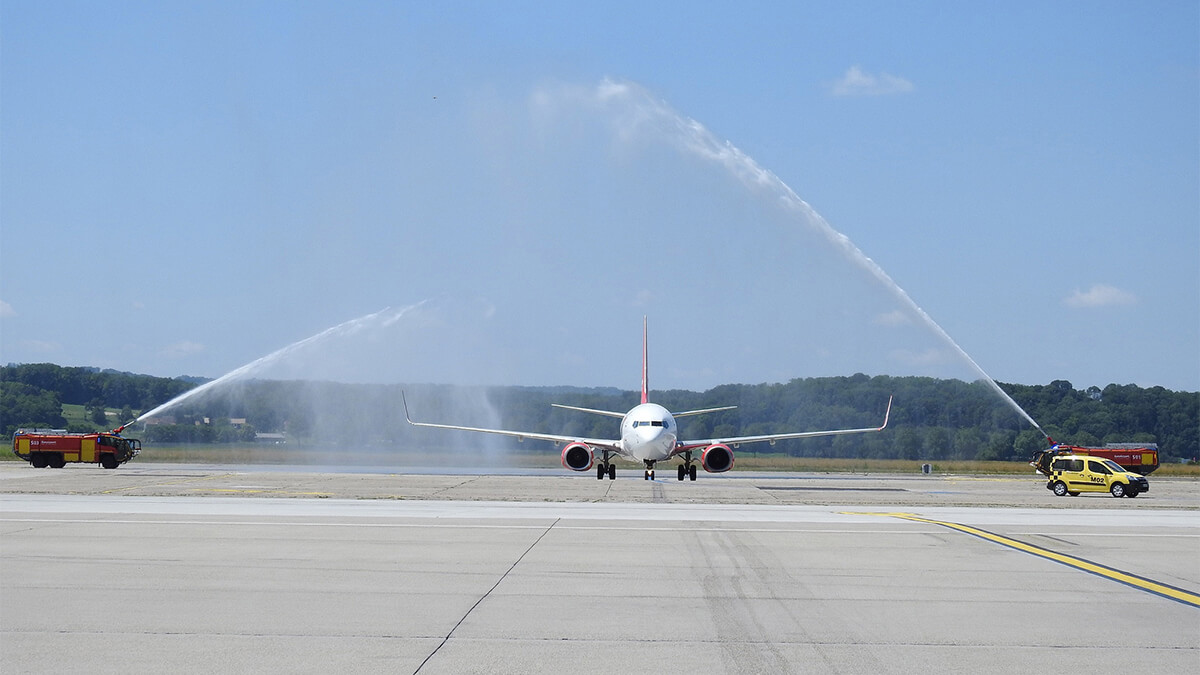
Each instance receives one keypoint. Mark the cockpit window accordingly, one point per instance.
(648, 423)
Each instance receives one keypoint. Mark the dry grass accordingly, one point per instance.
(292, 454)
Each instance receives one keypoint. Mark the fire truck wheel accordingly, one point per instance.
(57, 461)
(109, 462)
(39, 460)
(1060, 488)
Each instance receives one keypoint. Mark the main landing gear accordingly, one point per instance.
(606, 468)
(688, 469)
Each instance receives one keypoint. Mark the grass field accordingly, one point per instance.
(294, 454)
(77, 414)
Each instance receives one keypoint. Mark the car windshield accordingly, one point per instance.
(1116, 468)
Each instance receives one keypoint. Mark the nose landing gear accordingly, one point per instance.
(649, 469)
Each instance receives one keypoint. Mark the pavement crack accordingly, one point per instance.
(485, 596)
(472, 479)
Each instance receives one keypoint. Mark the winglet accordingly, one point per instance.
(645, 382)
(886, 415)
(404, 399)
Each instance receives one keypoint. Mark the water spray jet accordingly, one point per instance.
(384, 317)
(635, 109)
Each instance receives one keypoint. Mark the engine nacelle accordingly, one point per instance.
(717, 458)
(577, 456)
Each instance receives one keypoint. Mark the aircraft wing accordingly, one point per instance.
(771, 438)
(606, 443)
(688, 413)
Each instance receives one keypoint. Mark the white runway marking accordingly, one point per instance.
(728, 513)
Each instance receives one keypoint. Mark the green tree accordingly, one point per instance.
(26, 406)
(95, 411)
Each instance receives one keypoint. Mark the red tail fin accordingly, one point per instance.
(645, 382)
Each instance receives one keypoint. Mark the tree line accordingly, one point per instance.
(931, 419)
(32, 395)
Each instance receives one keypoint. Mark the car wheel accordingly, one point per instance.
(1117, 490)
(1060, 489)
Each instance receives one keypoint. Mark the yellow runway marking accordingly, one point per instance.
(255, 491)
(177, 482)
(1142, 583)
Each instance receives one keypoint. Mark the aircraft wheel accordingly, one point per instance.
(600, 471)
(682, 471)
(691, 472)
(612, 471)
(651, 474)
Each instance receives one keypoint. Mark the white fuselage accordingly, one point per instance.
(648, 432)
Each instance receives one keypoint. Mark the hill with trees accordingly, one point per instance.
(931, 419)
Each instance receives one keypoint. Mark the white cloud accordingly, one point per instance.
(6, 310)
(895, 317)
(182, 349)
(643, 298)
(929, 357)
(1100, 295)
(858, 82)
(41, 346)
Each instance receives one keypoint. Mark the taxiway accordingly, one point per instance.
(193, 569)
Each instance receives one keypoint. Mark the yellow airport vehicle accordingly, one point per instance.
(1072, 474)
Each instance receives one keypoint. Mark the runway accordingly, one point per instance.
(111, 572)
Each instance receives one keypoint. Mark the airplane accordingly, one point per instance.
(649, 434)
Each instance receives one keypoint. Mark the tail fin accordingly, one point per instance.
(645, 382)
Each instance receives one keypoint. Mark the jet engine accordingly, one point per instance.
(716, 458)
(577, 456)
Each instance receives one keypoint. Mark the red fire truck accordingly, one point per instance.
(56, 447)
(1137, 457)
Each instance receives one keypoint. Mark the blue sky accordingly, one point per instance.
(187, 187)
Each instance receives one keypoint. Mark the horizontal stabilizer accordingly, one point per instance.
(609, 413)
